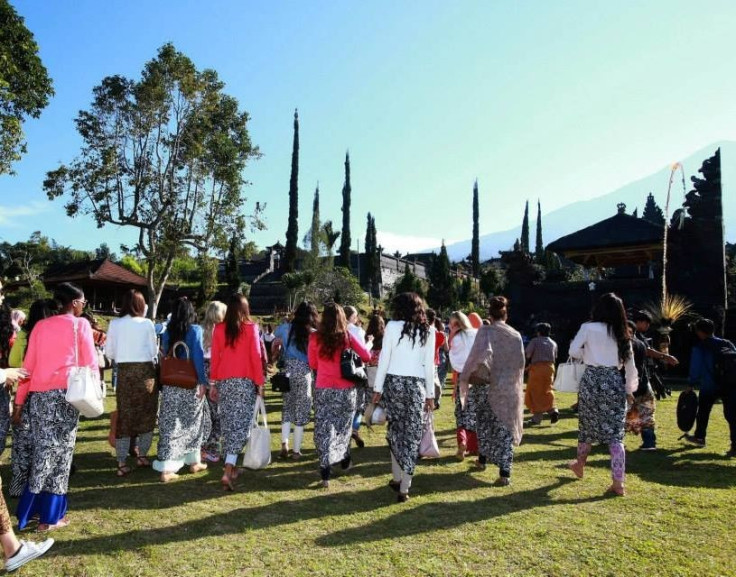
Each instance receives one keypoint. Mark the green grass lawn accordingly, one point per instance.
(679, 517)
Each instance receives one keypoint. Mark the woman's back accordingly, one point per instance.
(131, 340)
(242, 358)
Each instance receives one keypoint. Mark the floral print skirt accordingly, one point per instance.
(54, 432)
(333, 424)
(601, 406)
(237, 403)
(464, 418)
(404, 401)
(298, 401)
(137, 398)
(21, 455)
(483, 418)
(183, 427)
(212, 443)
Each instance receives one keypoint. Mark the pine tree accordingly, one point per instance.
(232, 268)
(315, 233)
(652, 212)
(345, 238)
(539, 248)
(525, 229)
(442, 294)
(475, 249)
(292, 231)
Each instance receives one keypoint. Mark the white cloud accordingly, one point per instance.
(392, 242)
(10, 215)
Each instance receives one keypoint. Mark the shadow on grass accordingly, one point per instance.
(443, 516)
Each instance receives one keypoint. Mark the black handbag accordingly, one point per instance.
(352, 368)
(280, 383)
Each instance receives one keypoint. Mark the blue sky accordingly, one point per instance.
(561, 100)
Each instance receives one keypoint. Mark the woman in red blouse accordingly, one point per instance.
(237, 370)
(334, 401)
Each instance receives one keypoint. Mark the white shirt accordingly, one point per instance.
(131, 340)
(359, 334)
(404, 359)
(597, 348)
(460, 346)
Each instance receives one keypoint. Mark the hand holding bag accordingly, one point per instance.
(352, 368)
(568, 376)
(428, 448)
(176, 372)
(258, 451)
(83, 388)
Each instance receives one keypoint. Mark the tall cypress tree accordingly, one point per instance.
(315, 232)
(475, 248)
(442, 294)
(345, 238)
(525, 229)
(292, 231)
(369, 254)
(539, 248)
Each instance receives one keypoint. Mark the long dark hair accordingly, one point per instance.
(304, 322)
(610, 310)
(408, 307)
(66, 293)
(40, 309)
(376, 328)
(332, 330)
(238, 312)
(182, 317)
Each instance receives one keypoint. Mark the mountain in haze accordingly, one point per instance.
(580, 214)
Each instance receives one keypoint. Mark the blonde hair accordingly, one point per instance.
(462, 320)
(214, 314)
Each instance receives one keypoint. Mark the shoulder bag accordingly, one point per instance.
(352, 367)
(567, 379)
(83, 388)
(176, 372)
(258, 450)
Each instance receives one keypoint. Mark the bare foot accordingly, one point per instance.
(576, 467)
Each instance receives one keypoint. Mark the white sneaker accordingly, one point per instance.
(28, 552)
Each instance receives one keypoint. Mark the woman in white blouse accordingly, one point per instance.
(405, 380)
(604, 346)
(462, 337)
(131, 343)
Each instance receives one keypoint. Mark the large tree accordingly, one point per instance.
(292, 231)
(442, 293)
(525, 229)
(164, 155)
(25, 86)
(475, 247)
(345, 239)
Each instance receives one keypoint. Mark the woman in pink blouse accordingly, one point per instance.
(56, 345)
(335, 397)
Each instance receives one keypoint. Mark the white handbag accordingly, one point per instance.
(258, 451)
(428, 448)
(84, 391)
(567, 379)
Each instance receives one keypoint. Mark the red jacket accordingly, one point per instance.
(243, 360)
(329, 375)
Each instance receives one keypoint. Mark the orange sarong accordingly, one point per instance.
(540, 397)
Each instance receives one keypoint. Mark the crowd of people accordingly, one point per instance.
(407, 358)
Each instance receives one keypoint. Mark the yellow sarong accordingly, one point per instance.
(540, 397)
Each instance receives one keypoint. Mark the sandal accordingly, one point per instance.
(123, 471)
(228, 478)
(198, 467)
(45, 527)
(295, 456)
(168, 477)
(617, 491)
(142, 462)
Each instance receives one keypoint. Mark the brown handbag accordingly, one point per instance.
(175, 372)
